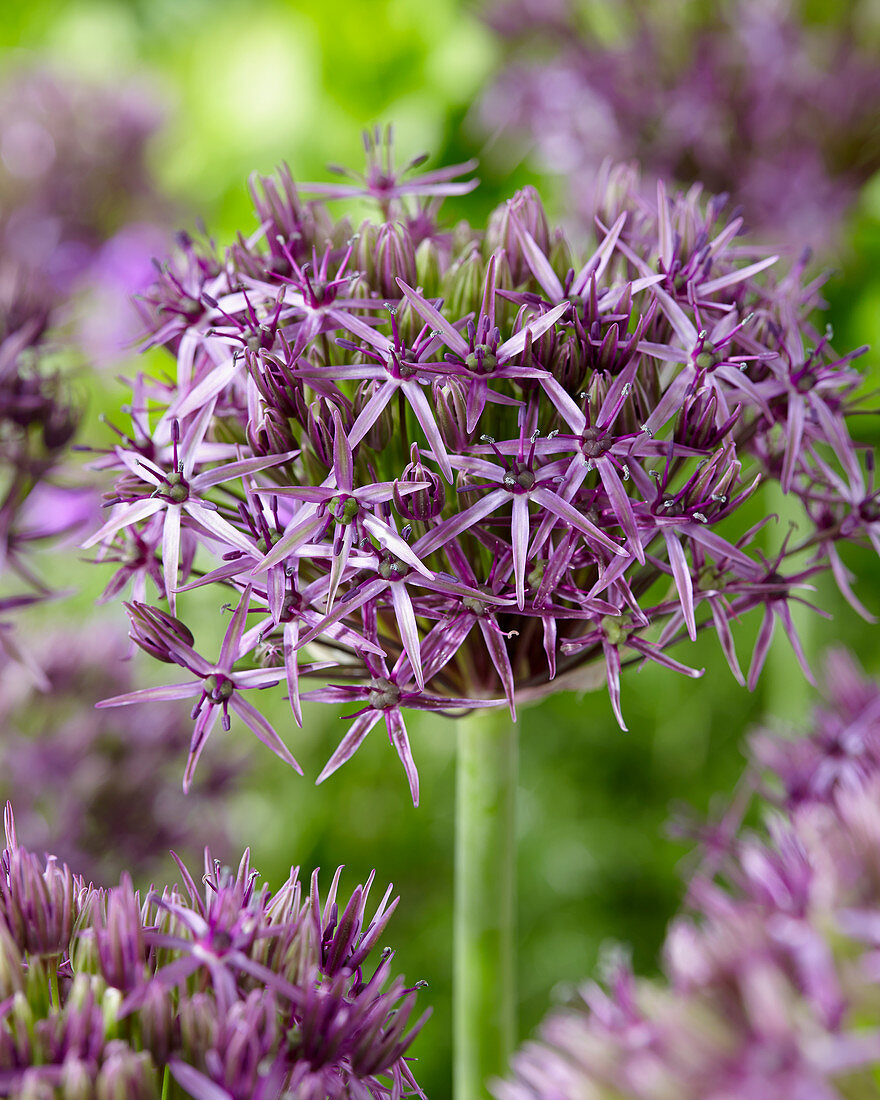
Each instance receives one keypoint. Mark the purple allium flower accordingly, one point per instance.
(231, 992)
(771, 983)
(88, 786)
(73, 169)
(747, 97)
(468, 479)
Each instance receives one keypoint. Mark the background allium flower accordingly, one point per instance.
(771, 985)
(465, 490)
(38, 418)
(229, 991)
(80, 213)
(73, 170)
(98, 791)
(745, 97)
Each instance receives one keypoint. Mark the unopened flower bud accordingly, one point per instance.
(450, 407)
(526, 209)
(384, 254)
(126, 1075)
(423, 504)
(462, 287)
(37, 903)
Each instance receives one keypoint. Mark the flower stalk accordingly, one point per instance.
(484, 977)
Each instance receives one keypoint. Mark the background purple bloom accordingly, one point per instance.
(771, 979)
(744, 97)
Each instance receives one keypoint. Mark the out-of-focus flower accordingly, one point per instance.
(96, 790)
(236, 992)
(745, 97)
(80, 213)
(73, 169)
(772, 983)
(457, 468)
(79, 216)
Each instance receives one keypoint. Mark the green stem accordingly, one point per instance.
(166, 1084)
(53, 983)
(484, 997)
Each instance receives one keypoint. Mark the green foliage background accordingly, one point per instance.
(246, 85)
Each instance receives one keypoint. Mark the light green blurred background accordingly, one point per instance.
(244, 86)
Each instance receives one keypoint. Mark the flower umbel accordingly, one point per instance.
(487, 435)
(237, 992)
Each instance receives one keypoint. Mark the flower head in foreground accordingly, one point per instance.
(230, 992)
(771, 984)
(748, 97)
(449, 470)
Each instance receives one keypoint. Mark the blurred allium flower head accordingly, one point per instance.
(73, 167)
(747, 98)
(80, 211)
(96, 790)
(38, 418)
(455, 469)
(229, 991)
(771, 983)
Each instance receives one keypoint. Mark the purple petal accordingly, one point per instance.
(258, 725)
(454, 340)
(519, 532)
(349, 744)
(400, 740)
(171, 553)
(409, 631)
(682, 574)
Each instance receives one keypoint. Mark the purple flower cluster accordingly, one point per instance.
(745, 97)
(772, 986)
(38, 419)
(97, 791)
(73, 188)
(457, 467)
(73, 171)
(236, 993)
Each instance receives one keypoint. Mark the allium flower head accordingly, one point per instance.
(458, 470)
(73, 169)
(747, 97)
(771, 981)
(231, 991)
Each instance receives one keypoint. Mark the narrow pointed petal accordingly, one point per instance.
(230, 649)
(350, 743)
(370, 413)
(400, 740)
(128, 515)
(622, 506)
(154, 694)
(204, 725)
(519, 533)
(570, 514)
(612, 671)
(454, 339)
(409, 631)
(171, 553)
(258, 725)
(539, 264)
(516, 345)
(343, 460)
(762, 645)
(682, 574)
(390, 540)
(725, 637)
(500, 659)
(291, 669)
(425, 416)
